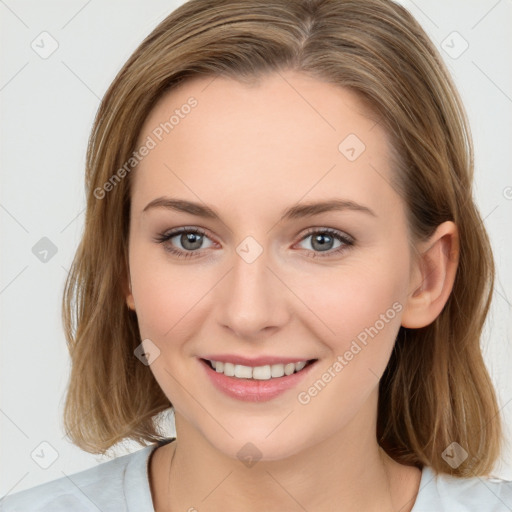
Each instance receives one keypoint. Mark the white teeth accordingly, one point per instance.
(258, 372)
(229, 369)
(289, 368)
(243, 372)
(277, 370)
(300, 365)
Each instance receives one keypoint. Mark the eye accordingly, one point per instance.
(324, 240)
(189, 241)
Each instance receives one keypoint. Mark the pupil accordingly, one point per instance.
(191, 240)
(321, 240)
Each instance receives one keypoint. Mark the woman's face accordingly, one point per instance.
(325, 284)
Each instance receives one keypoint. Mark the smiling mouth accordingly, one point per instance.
(264, 372)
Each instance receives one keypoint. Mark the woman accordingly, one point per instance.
(281, 244)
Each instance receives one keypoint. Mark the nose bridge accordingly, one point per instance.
(253, 300)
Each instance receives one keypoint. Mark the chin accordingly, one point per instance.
(260, 447)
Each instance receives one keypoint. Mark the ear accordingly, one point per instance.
(432, 276)
(130, 302)
(127, 292)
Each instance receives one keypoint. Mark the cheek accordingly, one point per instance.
(347, 300)
(167, 294)
(362, 309)
(356, 313)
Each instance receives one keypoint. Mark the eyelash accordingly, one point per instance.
(346, 241)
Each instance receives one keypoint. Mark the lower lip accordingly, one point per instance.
(251, 390)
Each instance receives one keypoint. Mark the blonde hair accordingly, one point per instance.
(436, 389)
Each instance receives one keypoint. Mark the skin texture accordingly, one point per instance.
(250, 152)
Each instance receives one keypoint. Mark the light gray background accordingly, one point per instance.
(48, 106)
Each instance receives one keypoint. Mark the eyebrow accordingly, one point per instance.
(295, 212)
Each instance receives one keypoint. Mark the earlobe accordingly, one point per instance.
(433, 277)
(130, 302)
(128, 293)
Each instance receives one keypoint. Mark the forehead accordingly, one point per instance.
(267, 144)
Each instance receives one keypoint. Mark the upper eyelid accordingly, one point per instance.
(342, 234)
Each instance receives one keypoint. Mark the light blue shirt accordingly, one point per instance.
(122, 485)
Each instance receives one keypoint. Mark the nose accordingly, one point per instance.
(254, 298)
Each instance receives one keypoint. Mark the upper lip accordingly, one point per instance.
(256, 361)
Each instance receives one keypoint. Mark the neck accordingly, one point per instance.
(347, 469)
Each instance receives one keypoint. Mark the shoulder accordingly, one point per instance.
(442, 492)
(101, 487)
